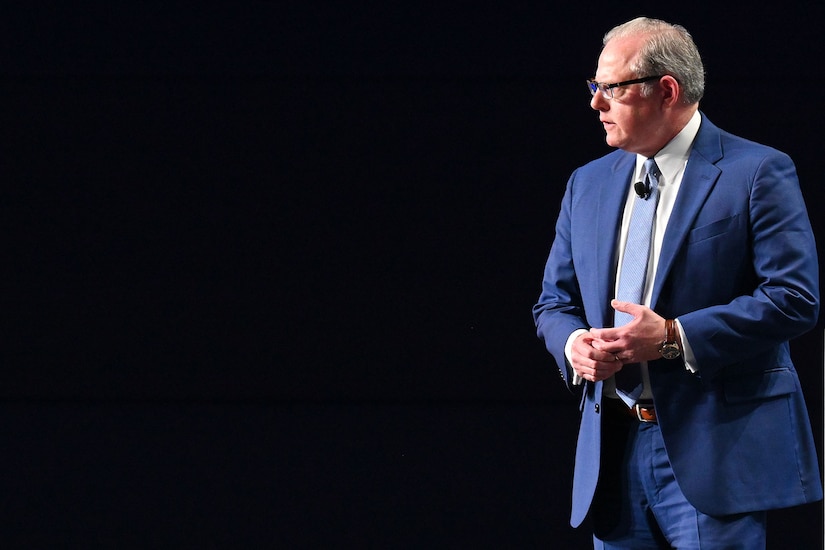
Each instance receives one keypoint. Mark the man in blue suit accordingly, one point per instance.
(716, 433)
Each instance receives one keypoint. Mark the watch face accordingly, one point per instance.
(670, 351)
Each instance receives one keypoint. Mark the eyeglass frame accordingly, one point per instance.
(594, 86)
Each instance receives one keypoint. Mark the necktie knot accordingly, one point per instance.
(652, 170)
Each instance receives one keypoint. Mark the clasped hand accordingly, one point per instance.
(601, 352)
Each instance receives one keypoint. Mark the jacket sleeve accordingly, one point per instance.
(774, 294)
(559, 310)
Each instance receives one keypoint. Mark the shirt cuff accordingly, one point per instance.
(687, 352)
(568, 347)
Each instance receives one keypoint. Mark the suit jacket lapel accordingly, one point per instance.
(698, 180)
(612, 198)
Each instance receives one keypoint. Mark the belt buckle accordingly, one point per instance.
(637, 408)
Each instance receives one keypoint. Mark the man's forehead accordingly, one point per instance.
(616, 57)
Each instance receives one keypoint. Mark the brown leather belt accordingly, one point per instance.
(643, 412)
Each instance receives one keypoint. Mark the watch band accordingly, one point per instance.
(670, 331)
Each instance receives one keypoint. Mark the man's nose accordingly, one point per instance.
(598, 102)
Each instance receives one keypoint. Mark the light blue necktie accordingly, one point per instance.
(634, 273)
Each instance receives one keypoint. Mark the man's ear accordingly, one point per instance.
(670, 89)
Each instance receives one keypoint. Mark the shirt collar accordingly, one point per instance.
(672, 157)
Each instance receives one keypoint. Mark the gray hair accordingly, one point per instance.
(669, 49)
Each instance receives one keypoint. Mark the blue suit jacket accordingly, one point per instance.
(738, 267)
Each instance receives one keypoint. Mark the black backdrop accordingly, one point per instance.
(269, 267)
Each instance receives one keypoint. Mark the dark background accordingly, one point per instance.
(269, 266)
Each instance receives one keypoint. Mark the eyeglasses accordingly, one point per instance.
(607, 89)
